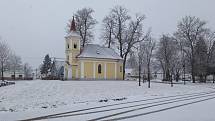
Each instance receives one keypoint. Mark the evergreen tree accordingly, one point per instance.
(46, 65)
(53, 69)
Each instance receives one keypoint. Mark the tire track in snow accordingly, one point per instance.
(71, 113)
(212, 96)
(160, 110)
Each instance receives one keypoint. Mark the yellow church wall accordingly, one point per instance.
(74, 73)
(88, 70)
(110, 70)
(120, 70)
(66, 72)
(79, 69)
(72, 52)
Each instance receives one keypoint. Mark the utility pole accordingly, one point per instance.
(184, 68)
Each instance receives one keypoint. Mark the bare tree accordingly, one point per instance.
(211, 67)
(4, 56)
(209, 38)
(140, 56)
(107, 31)
(149, 46)
(210, 42)
(177, 64)
(15, 64)
(120, 18)
(188, 31)
(167, 49)
(84, 24)
(134, 35)
(200, 56)
(126, 33)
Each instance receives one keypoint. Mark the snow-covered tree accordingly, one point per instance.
(189, 30)
(53, 69)
(15, 64)
(120, 19)
(166, 54)
(107, 31)
(148, 48)
(200, 56)
(45, 69)
(4, 57)
(84, 25)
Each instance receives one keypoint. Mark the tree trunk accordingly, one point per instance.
(193, 74)
(205, 79)
(213, 78)
(171, 80)
(177, 77)
(109, 42)
(124, 61)
(14, 73)
(167, 76)
(148, 78)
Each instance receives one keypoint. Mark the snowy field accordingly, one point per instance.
(29, 99)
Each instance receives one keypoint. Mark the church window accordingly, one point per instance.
(75, 46)
(99, 69)
(68, 46)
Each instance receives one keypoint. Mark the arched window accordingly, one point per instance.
(68, 46)
(75, 46)
(99, 69)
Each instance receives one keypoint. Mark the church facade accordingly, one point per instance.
(92, 62)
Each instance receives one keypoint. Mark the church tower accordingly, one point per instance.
(72, 49)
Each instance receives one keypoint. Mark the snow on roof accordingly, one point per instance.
(59, 64)
(73, 34)
(97, 51)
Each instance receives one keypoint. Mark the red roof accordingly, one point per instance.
(72, 27)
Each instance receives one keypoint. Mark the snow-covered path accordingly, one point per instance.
(132, 110)
(29, 99)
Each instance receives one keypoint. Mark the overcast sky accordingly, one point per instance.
(33, 28)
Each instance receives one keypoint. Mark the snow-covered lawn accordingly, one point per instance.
(28, 99)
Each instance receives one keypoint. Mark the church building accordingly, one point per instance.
(90, 62)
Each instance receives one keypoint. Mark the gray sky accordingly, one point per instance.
(34, 28)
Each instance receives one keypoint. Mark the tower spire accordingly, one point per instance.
(73, 28)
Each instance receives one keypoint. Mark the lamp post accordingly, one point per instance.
(184, 72)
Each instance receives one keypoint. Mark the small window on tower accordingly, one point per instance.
(68, 46)
(75, 46)
(120, 69)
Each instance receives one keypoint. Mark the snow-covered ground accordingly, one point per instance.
(28, 99)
